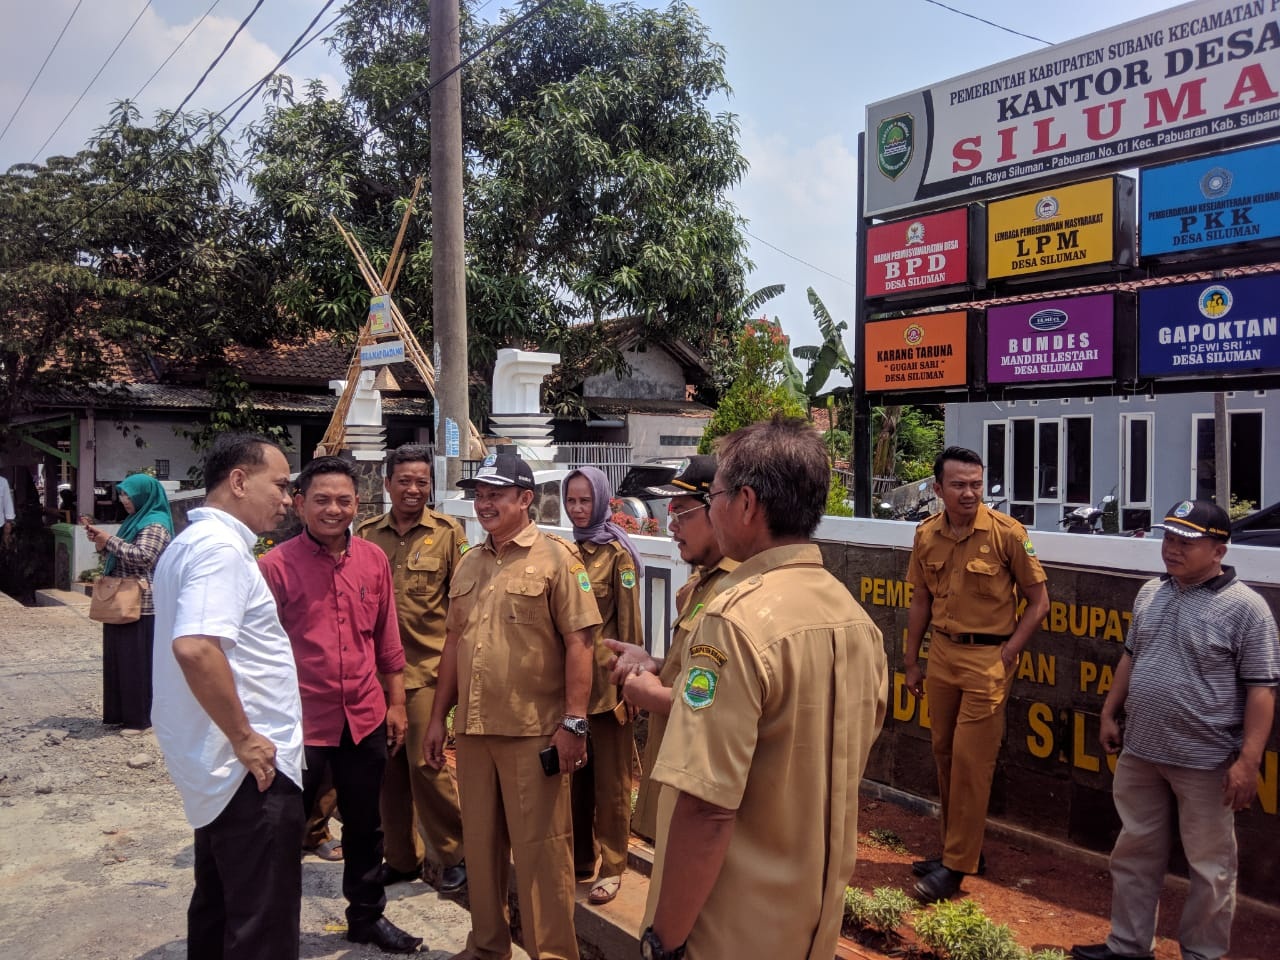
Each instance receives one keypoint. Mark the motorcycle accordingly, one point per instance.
(1086, 519)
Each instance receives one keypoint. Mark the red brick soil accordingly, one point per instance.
(1048, 897)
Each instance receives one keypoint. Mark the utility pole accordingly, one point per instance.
(448, 261)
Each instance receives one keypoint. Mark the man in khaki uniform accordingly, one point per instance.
(968, 566)
(424, 548)
(783, 692)
(517, 660)
(646, 680)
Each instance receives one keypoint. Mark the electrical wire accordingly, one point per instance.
(174, 51)
(92, 80)
(792, 256)
(990, 23)
(32, 84)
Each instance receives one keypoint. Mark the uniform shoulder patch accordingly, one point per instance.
(584, 581)
(1030, 547)
(708, 651)
(628, 578)
(700, 688)
(463, 547)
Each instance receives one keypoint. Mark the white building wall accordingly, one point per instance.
(646, 433)
(116, 454)
(655, 375)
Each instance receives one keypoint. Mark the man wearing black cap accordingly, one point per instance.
(1197, 687)
(517, 660)
(647, 681)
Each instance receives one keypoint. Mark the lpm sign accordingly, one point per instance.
(1063, 228)
(1216, 201)
(1207, 329)
(1048, 340)
(918, 254)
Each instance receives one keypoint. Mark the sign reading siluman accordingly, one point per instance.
(1218, 200)
(1202, 329)
(1195, 73)
(921, 253)
(1070, 338)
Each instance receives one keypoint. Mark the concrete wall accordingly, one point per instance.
(645, 432)
(1171, 451)
(655, 375)
(1052, 776)
(117, 453)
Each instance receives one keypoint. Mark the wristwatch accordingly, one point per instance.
(651, 947)
(575, 725)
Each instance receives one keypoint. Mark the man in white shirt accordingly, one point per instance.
(227, 711)
(7, 513)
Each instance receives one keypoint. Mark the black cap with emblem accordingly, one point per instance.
(693, 479)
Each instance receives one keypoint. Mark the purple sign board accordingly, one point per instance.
(1072, 338)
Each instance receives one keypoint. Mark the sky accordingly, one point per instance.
(801, 72)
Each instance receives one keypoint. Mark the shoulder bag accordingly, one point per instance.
(116, 600)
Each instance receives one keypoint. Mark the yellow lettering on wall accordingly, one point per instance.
(1080, 757)
(1085, 621)
(864, 588)
(1040, 739)
(881, 592)
(1105, 678)
(1088, 673)
(1038, 668)
(904, 702)
(1268, 779)
(1114, 631)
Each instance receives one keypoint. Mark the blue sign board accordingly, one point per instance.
(1226, 198)
(1209, 328)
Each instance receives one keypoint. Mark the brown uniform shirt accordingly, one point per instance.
(972, 580)
(511, 610)
(617, 591)
(783, 692)
(422, 564)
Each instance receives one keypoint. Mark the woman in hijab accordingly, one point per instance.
(601, 790)
(132, 552)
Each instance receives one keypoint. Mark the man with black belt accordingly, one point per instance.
(969, 567)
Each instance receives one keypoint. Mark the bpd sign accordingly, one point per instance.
(1206, 329)
(1224, 199)
(1049, 340)
(1057, 229)
(917, 353)
(919, 254)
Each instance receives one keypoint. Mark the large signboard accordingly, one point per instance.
(1202, 329)
(918, 353)
(1059, 229)
(1071, 338)
(1194, 74)
(918, 254)
(1216, 201)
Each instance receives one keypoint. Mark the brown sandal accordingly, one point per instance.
(604, 890)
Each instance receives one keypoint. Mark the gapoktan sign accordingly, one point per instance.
(1071, 338)
(1204, 329)
(919, 254)
(918, 353)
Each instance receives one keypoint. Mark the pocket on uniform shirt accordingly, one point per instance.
(983, 577)
(934, 578)
(424, 574)
(525, 602)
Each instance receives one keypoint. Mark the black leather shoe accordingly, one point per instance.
(453, 879)
(922, 868)
(387, 875)
(941, 884)
(1100, 951)
(384, 935)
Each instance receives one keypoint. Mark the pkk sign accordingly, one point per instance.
(1177, 80)
(1205, 329)
(1222, 199)
(919, 254)
(1055, 229)
(1070, 338)
(380, 315)
(917, 353)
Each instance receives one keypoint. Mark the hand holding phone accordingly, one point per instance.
(550, 759)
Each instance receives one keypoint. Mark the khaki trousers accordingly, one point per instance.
(601, 794)
(411, 787)
(512, 810)
(1146, 795)
(967, 687)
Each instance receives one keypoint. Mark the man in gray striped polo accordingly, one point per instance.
(1197, 686)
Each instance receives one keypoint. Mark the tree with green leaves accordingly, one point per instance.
(760, 390)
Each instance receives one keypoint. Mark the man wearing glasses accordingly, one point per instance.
(647, 681)
(782, 693)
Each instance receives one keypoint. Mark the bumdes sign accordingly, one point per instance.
(1199, 329)
(919, 254)
(1048, 340)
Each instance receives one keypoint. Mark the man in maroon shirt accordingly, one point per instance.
(337, 604)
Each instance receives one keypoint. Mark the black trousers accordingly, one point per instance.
(356, 769)
(126, 672)
(248, 895)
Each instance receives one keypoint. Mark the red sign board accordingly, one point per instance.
(918, 254)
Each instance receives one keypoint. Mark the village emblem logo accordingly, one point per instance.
(1216, 183)
(1215, 302)
(915, 233)
(1046, 207)
(913, 335)
(895, 144)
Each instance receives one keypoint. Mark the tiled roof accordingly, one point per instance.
(171, 397)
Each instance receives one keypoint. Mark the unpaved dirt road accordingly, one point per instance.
(95, 855)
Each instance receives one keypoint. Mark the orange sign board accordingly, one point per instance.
(918, 353)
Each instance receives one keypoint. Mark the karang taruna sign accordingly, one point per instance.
(1200, 72)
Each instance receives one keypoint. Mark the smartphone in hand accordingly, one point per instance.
(550, 758)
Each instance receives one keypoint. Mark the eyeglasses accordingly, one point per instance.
(676, 517)
(712, 494)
